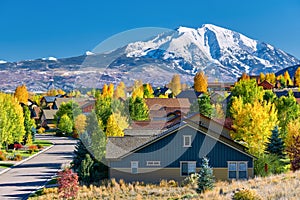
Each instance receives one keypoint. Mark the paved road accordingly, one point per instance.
(20, 181)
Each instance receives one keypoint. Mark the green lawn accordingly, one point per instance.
(43, 142)
(6, 165)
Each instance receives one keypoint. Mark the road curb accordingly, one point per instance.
(29, 158)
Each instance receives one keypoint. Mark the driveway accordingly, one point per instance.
(20, 181)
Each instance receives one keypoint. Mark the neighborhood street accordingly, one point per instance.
(20, 181)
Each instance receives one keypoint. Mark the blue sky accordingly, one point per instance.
(31, 29)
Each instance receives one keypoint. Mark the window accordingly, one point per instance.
(237, 170)
(187, 167)
(134, 167)
(187, 141)
(153, 163)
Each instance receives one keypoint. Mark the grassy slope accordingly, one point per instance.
(284, 186)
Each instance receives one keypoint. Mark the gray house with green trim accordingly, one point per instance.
(177, 152)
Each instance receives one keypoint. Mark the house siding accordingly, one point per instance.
(152, 175)
(170, 151)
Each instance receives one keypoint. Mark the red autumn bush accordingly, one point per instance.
(67, 184)
(32, 148)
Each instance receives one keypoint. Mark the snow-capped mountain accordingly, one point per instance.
(217, 51)
(223, 55)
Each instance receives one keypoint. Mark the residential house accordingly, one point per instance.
(160, 107)
(47, 118)
(191, 95)
(176, 152)
(47, 101)
(266, 85)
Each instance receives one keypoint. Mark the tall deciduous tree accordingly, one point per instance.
(113, 129)
(262, 77)
(120, 91)
(65, 124)
(287, 78)
(293, 143)
(200, 82)
(21, 94)
(28, 123)
(138, 109)
(297, 77)
(288, 110)
(80, 123)
(253, 123)
(175, 84)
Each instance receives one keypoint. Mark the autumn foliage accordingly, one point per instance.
(200, 82)
(67, 184)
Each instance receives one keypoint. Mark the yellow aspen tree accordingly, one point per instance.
(253, 124)
(21, 94)
(120, 91)
(105, 91)
(245, 77)
(262, 77)
(110, 90)
(288, 78)
(200, 82)
(292, 143)
(297, 77)
(175, 84)
(112, 128)
(80, 123)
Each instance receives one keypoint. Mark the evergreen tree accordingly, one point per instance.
(205, 108)
(84, 171)
(275, 144)
(206, 179)
(79, 155)
(138, 109)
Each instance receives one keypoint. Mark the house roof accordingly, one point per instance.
(118, 147)
(49, 114)
(191, 95)
(80, 101)
(158, 103)
(49, 99)
(266, 85)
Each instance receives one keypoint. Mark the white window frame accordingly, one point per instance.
(153, 163)
(134, 165)
(188, 162)
(190, 140)
(237, 163)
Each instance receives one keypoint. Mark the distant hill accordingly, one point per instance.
(291, 70)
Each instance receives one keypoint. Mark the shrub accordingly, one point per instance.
(246, 195)
(275, 165)
(67, 184)
(39, 146)
(32, 148)
(17, 157)
(17, 146)
(41, 130)
(191, 180)
(2, 156)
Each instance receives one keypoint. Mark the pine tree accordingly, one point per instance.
(275, 144)
(200, 82)
(206, 179)
(79, 155)
(205, 108)
(84, 171)
(138, 109)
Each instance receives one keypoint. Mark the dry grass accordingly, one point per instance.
(285, 186)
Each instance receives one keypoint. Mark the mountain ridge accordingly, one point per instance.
(221, 53)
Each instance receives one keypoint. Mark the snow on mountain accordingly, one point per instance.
(3, 61)
(212, 48)
(50, 58)
(89, 53)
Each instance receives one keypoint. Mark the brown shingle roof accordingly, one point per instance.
(49, 114)
(158, 103)
(266, 85)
